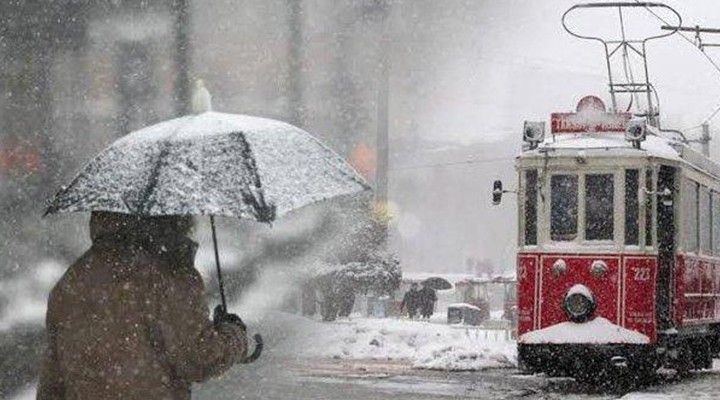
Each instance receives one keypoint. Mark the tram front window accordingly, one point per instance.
(599, 224)
(563, 207)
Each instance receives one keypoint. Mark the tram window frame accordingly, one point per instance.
(599, 216)
(649, 200)
(704, 220)
(632, 207)
(715, 216)
(574, 208)
(690, 211)
(530, 210)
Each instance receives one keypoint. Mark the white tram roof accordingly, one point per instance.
(613, 144)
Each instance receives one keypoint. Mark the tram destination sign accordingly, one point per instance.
(588, 122)
(590, 116)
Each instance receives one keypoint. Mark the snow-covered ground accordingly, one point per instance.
(26, 394)
(423, 344)
(23, 297)
(702, 385)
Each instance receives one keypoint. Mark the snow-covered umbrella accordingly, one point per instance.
(437, 283)
(212, 164)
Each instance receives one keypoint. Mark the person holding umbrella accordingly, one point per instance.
(410, 300)
(129, 319)
(426, 300)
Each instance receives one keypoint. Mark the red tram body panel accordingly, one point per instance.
(697, 290)
(626, 293)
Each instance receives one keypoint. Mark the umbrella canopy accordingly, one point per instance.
(437, 283)
(210, 164)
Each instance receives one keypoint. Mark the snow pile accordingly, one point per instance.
(466, 355)
(424, 344)
(598, 331)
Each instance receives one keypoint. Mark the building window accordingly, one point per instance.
(632, 207)
(599, 211)
(531, 188)
(563, 207)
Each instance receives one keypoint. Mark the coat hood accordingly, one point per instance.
(146, 232)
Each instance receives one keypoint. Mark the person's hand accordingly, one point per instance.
(220, 316)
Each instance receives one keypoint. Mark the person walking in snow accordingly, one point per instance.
(410, 300)
(427, 299)
(129, 319)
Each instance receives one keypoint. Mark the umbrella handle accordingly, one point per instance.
(259, 344)
(217, 264)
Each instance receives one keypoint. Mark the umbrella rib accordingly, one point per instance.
(144, 205)
(264, 212)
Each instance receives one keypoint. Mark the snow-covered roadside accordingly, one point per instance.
(23, 297)
(424, 344)
(26, 394)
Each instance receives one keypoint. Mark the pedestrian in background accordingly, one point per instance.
(411, 300)
(427, 299)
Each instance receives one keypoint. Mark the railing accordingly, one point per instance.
(497, 330)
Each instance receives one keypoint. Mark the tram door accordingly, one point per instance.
(666, 243)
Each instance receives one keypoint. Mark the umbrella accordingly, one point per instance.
(213, 164)
(437, 283)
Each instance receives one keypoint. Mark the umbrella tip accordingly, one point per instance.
(201, 98)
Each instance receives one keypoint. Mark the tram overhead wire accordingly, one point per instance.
(715, 111)
(454, 163)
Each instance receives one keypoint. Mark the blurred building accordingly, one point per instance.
(77, 74)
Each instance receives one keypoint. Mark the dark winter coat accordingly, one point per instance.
(411, 301)
(129, 320)
(427, 299)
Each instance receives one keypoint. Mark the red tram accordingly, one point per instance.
(618, 264)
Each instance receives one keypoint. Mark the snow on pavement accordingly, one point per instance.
(424, 344)
(702, 385)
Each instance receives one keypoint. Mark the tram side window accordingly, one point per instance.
(563, 207)
(715, 206)
(599, 221)
(632, 207)
(531, 188)
(690, 215)
(704, 220)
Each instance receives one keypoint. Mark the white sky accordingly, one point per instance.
(473, 72)
(507, 61)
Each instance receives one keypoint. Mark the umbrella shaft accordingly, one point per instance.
(217, 264)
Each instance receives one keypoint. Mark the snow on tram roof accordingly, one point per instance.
(613, 142)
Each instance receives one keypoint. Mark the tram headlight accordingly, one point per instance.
(579, 303)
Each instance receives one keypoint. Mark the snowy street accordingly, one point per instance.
(321, 360)
(306, 359)
(378, 380)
